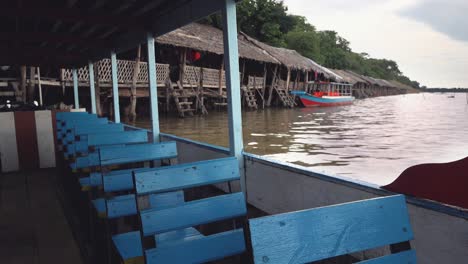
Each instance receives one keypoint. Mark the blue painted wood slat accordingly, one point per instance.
(120, 182)
(137, 153)
(128, 244)
(187, 175)
(320, 233)
(198, 249)
(110, 138)
(193, 213)
(126, 205)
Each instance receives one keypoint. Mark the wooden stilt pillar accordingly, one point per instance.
(31, 84)
(133, 91)
(288, 79)
(265, 71)
(97, 89)
(273, 83)
(221, 77)
(39, 85)
(23, 83)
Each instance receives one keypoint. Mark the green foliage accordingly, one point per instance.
(269, 22)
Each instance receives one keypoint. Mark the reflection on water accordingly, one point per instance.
(373, 140)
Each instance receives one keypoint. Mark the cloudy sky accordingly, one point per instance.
(428, 38)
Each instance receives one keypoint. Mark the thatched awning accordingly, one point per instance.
(367, 79)
(289, 58)
(348, 77)
(210, 39)
(400, 85)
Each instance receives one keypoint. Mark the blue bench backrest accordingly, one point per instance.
(68, 126)
(92, 129)
(322, 233)
(62, 118)
(193, 213)
(110, 138)
(137, 153)
(162, 180)
(116, 155)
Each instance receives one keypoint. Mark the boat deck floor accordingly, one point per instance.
(33, 227)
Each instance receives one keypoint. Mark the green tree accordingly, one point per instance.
(269, 22)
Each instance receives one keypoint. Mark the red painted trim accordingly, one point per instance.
(26, 140)
(444, 182)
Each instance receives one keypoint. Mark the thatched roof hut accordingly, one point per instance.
(210, 39)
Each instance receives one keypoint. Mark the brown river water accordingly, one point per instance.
(373, 140)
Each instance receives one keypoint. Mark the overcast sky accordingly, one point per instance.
(427, 38)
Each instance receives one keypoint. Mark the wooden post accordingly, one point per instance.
(182, 63)
(39, 85)
(306, 81)
(264, 84)
(31, 85)
(270, 93)
(23, 83)
(97, 90)
(133, 90)
(221, 76)
(288, 79)
(243, 73)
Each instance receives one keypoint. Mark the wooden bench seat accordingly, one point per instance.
(69, 125)
(71, 137)
(118, 155)
(170, 178)
(326, 232)
(84, 142)
(162, 223)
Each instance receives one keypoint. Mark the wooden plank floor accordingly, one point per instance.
(33, 228)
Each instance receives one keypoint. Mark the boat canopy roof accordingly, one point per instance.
(71, 33)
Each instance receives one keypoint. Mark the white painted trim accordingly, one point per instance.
(45, 139)
(8, 147)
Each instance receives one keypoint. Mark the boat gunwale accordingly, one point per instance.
(353, 183)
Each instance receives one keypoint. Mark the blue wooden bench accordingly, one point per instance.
(118, 155)
(90, 142)
(67, 124)
(60, 117)
(172, 226)
(326, 232)
(71, 137)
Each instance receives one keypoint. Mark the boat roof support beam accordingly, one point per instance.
(153, 88)
(91, 87)
(115, 87)
(231, 61)
(75, 89)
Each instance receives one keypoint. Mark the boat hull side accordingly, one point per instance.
(312, 101)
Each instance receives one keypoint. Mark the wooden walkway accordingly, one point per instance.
(33, 228)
